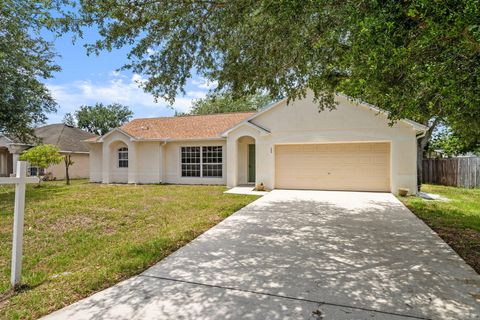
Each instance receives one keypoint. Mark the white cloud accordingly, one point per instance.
(119, 88)
(203, 83)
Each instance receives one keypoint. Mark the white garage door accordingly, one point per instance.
(341, 166)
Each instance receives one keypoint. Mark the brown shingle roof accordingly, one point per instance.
(66, 138)
(184, 127)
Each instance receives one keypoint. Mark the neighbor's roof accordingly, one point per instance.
(66, 138)
(183, 127)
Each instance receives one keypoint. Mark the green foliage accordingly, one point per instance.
(457, 221)
(451, 144)
(69, 120)
(25, 59)
(417, 59)
(99, 119)
(226, 102)
(42, 156)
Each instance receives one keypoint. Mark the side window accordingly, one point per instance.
(123, 157)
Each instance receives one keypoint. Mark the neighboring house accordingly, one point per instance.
(68, 139)
(290, 146)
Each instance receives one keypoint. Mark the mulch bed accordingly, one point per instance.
(465, 242)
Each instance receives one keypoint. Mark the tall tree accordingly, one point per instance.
(99, 119)
(25, 59)
(226, 102)
(417, 59)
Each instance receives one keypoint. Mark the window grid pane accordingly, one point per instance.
(190, 161)
(212, 159)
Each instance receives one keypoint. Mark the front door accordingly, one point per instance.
(251, 163)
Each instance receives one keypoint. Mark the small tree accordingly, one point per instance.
(68, 162)
(42, 156)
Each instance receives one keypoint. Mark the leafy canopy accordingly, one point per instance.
(451, 144)
(226, 102)
(418, 59)
(25, 59)
(99, 119)
(42, 156)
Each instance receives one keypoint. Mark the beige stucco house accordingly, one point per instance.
(291, 146)
(68, 139)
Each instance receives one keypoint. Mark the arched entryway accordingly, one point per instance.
(119, 162)
(246, 159)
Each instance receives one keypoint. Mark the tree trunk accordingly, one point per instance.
(38, 176)
(67, 165)
(420, 149)
(421, 145)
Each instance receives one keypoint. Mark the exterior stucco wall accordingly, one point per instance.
(149, 162)
(300, 122)
(78, 170)
(95, 162)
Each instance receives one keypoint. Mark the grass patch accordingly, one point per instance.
(82, 238)
(456, 221)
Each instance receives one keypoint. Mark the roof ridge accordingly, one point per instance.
(61, 134)
(195, 115)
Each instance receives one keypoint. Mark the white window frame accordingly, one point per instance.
(201, 162)
(122, 150)
(38, 170)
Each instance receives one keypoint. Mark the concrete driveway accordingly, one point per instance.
(301, 255)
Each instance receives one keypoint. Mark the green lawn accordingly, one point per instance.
(456, 221)
(85, 237)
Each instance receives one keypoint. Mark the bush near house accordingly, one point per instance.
(457, 221)
(85, 237)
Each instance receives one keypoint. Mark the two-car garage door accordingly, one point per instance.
(339, 166)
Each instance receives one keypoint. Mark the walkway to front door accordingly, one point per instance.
(301, 255)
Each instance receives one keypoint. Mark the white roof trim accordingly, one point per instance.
(247, 123)
(165, 140)
(81, 152)
(191, 139)
(6, 138)
(102, 138)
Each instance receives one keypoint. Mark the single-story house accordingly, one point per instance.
(68, 139)
(288, 146)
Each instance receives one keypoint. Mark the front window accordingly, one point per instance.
(123, 157)
(191, 162)
(34, 171)
(204, 161)
(212, 161)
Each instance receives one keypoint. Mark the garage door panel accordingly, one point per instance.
(347, 166)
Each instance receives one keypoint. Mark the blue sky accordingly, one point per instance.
(85, 80)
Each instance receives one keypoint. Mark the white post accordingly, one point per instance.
(20, 181)
(18, 225)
